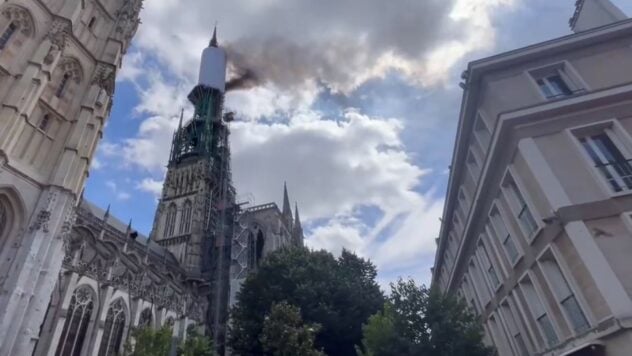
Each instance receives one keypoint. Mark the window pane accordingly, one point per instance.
(559, 87)
(545, 88)
(527, 221)
(548, 330)
(575, 314)
(559, 285)
(510, 247)
(522, 347)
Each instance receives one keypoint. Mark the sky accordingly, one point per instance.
(355, 106)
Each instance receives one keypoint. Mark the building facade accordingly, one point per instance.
(537, 228)
(73, 279)
(58, 61)
(113, 281)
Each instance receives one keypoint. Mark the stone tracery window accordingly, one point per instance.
(145, 319)
(4, 220)
(77, 321)
(20, 18)
(113, 329)
(185, 219)
(7, 34)
(170, 220)
(68, 72)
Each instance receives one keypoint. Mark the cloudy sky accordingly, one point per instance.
(355, 107)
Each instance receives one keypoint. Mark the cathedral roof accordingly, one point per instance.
(120, 226)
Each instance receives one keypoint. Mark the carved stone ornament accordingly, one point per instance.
(58, 33)
(104, 78)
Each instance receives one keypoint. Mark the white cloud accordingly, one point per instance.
(335, 166)
(119, 194)
(150, 185)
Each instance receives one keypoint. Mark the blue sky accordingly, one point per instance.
(356, 109)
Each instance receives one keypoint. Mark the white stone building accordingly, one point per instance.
(537, 227)
(70, 289)
(58, 61)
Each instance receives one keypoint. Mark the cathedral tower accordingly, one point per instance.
(194, 216)
(58, 61)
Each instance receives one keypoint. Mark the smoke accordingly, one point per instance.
(340, 44)
(245, 79)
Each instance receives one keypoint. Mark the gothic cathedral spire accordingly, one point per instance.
(287, 210)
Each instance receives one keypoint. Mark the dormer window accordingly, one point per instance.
(8, 33)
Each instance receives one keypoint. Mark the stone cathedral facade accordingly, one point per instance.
(75, 280)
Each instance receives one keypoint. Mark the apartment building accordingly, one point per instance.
(537, 227)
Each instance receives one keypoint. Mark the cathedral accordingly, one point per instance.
(75, 280)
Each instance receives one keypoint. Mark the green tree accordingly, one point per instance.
(150, 342)
(422, 322)
(196, 345)
(337, 294)
(285, 334)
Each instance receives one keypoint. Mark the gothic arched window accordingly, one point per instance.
(113, 329)
(145, 319)
(62, 85)
(251, 250)
(44, 122)
(185, 219)
(4, 220)
(170, 220)
(260, 243)
(67, 75)
(77, 321)
(7, 34)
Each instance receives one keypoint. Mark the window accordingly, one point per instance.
(490, 271)
(4, 221)
(482, 133)
(76, 325)
(479, 283)
(472, 165)
(499, 336)
(503, 235)
(113, 329)
(251, 250)
(553, 86)
(44, 122)
(62, 85)
(91, 23)
(170, 220)
(608, 159)
(564, 295)
(557, 81)
(514, 331)
(8, 33)
(519, 207)
(145, 319)
(185, 219)
(539, 313)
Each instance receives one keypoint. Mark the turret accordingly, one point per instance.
(213, 66)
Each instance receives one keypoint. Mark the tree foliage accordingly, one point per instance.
(337, 294)
(422, 322)
(285, 334)
(150, 342)
(196, 345)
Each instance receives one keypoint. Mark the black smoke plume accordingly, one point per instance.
(245, 79)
